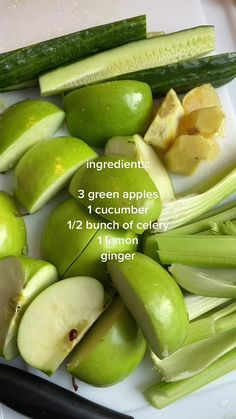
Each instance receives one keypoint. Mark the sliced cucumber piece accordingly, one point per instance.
(136, 148)
(148, 53)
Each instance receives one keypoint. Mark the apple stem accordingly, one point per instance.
(74, 384)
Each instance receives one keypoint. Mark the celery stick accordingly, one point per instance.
(198, 305)
(194, 358)
(162, 394)
(216, 210)
(178, 212)
(205, 251)
(205, 281)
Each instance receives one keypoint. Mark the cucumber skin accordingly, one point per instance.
(183, 76)
(27, 63)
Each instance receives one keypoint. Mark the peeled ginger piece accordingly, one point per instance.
(187, 152)
(204, 121)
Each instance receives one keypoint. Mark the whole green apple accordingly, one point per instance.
(46, 168)
(155, 301)
(57, 319)
(21, 280)
(13, 240)
(99, 112)
(121, 194)
(111, 350)
(23, 125)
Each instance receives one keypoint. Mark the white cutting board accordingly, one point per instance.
(27, 21)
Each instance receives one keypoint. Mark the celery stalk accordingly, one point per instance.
(180, 211)
(224, 227)
(206, 251)
(194, 358)
(162, 394)
(205, 281)
(198, 305)
(208, 339)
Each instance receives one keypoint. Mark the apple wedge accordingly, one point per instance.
(111, 350)
(155, 301)
(57, 319)
(23, 125)
(46, 168)
(13, 240)
(136, 148)
(21, 280)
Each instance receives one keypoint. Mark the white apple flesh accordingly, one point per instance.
(57, 319)
(21, 280)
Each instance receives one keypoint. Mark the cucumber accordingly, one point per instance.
(183, 76)
(27, 63)
(139, 55)
(20, 86)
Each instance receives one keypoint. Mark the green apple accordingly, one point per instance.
(111, 349)
(23, 125)
(99, 112)
(76, 241)
(21, 280)
(130, 194)
(57, 319)
(92, 260)
(155, 301)
(13, 240)
(46, 168)
(136, 148)
(63, 240)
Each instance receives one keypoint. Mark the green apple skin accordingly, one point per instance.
(57, 319)
(46, 168)
(155, 301)
(13, 237)
(61, 245)
(136, 148)
(111, 349)
(99, 112)
(89, 262)
(24, 124)
(21, 280)
(119, 180)
(77, 252)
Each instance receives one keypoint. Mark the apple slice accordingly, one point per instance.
(136, 148)
(46, 168)
(13, 240)
(57, 319)
(21, 279)
(23, 125)
(155, 301)
(111, 349)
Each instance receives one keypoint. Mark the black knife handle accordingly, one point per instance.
(38, 398)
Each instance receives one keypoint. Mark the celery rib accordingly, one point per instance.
(162, 394)
(203, 251)
(179, 212)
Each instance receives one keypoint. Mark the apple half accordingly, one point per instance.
(154, 299)
(136, 148)
(24, 124)
(21, 280)
(111, 350)
(13, 238)
(57, 319)
(46, 168)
